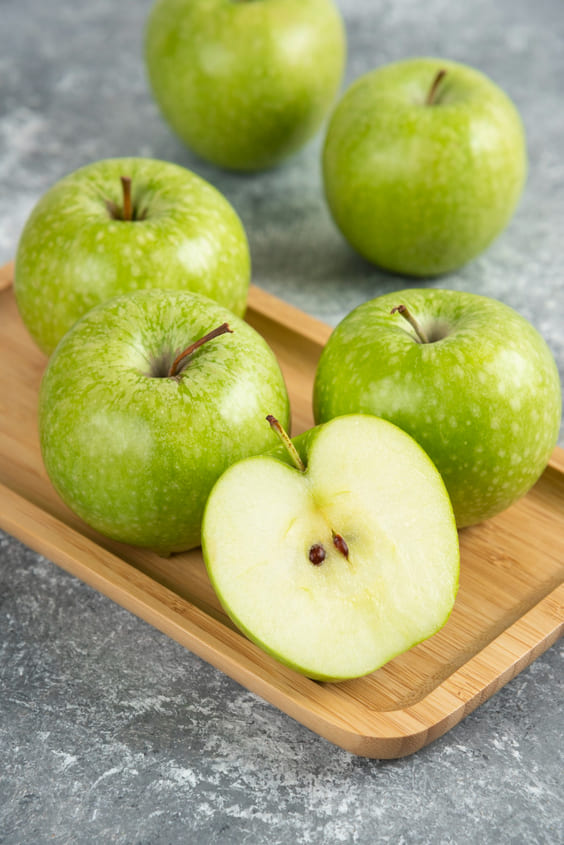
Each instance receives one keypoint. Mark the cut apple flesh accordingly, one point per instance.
(391, 584)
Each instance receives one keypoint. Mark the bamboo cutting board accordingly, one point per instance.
(509, 609)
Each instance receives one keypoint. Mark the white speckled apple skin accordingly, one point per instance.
(245, 84)
(136, 456)
(418, 189)
(484, 401)
(73, 254)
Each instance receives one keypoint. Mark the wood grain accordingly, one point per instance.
(509, 609)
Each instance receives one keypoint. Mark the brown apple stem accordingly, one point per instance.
(430, 101)
(126, 212)
(407, 315)
(286, 442)
(341, 545)
(179, 360)
(127, 205)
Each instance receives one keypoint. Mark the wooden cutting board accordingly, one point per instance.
(509, 609)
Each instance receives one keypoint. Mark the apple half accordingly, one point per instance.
(336, 551)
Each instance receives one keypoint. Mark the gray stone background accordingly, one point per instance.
(110, 732)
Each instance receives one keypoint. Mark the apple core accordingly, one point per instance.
(317, 553)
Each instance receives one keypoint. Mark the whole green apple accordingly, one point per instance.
(122, 224)
(465, 375)
(133, 434)
(246, 83)
(340, 557)
(423, 165)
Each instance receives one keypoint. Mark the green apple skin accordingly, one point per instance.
(483, 399)
(245, 84)
(418, 189)
(370, 482)
(74, 255)
(134, 454)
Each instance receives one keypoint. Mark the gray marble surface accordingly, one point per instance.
(110, 732)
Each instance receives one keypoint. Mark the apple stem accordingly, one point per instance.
(127, 205)
(407, 315)
(431, 96)
(127, 212)
(341, 545)
(180, 359)
(287, 443)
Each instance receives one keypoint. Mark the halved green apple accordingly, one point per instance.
(338, 556)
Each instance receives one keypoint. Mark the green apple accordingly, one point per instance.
(133, 433)
(341, 560)
(244, 83)
(119, 225)
(424, 163)
(465, 375)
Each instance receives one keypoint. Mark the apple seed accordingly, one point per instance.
(341, 545)
(317, 554)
